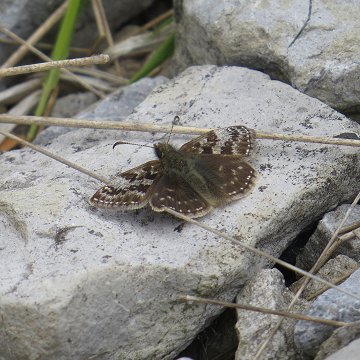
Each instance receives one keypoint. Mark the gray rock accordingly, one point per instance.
(24, 16)
(77, 282)
(254, 327)
(330, 305)
(116, 106)
(341, 344)
(310, 44)
(335, 269)
(325, 229)
(349, 352)
(72, 104)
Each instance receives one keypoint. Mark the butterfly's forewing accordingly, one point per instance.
(177, 195)
(133, 190)
(228, 177)
(233, 140)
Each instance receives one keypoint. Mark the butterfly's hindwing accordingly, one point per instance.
(233, 140)
(228, 177)
(177, 195)
(133, 190)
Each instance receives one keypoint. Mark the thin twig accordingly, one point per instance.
(110, 125)
(308, 139)
(262, 310)
(155, 21)
(348, 236)
(103, 26)
(259, 252)
(55, 157)
(127, 126)
(325, 253)
(152, 23)
(48, 46)
(350, 227)
(46, 58)
(306, 280)
(336, 281)
(102, 75)
(25, 69)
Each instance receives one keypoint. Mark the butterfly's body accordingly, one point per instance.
(178, 164)
(204, 173)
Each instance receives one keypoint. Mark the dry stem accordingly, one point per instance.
(127, 126)
(46, 58)
(25, 69)
(55, 157)
(263, 310)
(254, 250)
(317, 265)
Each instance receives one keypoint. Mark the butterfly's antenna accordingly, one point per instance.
(170, 133)
(175, 121)
(129, 143)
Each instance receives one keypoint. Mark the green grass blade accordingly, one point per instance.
(60, 52)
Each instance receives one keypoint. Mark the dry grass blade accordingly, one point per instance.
(103, 26)
(309, 139)
(91, 124)
(55, 157)
(126, 126)
(46, 58)
(351, 227)
(154, 22)
(26, 104)
(262, 310)
(22, 107)
(95, 83)
(15, 93)
(103, 75)
(317, 265)
(336, 281)
(144, 42)
(25, 69)
(326, 253)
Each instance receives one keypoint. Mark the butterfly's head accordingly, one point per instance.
(162, 149)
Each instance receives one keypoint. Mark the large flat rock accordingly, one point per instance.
(77, 282)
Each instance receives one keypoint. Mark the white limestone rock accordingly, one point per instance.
(76, 282)
(312, 45)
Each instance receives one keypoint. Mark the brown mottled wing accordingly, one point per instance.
(228, 177)
(233, 140)
(133, 191)
(178, 196)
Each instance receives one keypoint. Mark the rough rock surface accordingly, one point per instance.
(341, 344)
(254, 327)
(330, 305)
(338, 268)
(310, 44)
(76, 282)
(349, 352)
(321, 236)
(72, 104)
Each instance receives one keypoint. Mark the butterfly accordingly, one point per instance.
(206, 172)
